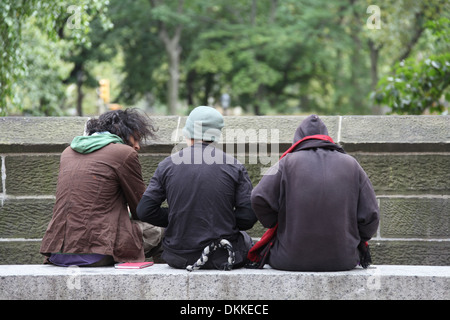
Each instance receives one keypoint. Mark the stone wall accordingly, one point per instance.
(406, 158)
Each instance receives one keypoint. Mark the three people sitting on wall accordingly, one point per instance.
(317, 202)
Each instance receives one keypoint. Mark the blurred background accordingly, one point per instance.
(252, 57)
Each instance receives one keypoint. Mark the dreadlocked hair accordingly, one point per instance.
(123, 123)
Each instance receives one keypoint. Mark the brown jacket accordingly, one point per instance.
(91, 214)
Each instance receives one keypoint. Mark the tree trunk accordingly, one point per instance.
(173, 49)
(209, 81)
(174, 76)
(273, 11)
(374, 53)
(415, 38)
(190, 79)
(80, 94)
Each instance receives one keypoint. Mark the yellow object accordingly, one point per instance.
(104, 90)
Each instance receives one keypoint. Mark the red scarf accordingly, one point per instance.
(258, 253)
(316, 136)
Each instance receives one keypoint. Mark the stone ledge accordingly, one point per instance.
(355, 133)
(160, 282)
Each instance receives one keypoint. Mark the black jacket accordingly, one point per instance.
(323, 202)
(208, 195)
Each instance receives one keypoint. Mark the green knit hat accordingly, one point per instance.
(204, 123)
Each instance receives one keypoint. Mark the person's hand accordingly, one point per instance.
(364, 254)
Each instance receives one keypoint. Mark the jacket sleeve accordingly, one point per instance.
(368, 211)
(245, 217)
(149, 208)
(266, 197)
(150, 211)
(131, 182)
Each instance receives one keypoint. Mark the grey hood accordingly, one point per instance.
(310, 126)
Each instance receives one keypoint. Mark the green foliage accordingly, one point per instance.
(30, 31)
(271, 56)
(45, 94)
(213, 61)
(417, 86)
(422, 85)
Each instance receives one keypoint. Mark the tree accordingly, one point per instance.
(12, 66)
(419, 85)
(143, 53)
(403, 26)
(271, 56)
(170, 19)
(51, 17)
(97, 49)
(41, 90)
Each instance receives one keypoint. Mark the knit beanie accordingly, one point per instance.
(204, 123)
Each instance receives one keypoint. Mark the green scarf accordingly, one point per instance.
(88, 144)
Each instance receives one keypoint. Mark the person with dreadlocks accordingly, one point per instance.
(319, 204)
(99, 186)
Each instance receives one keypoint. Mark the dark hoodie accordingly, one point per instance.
(323, 202)
(207, 201)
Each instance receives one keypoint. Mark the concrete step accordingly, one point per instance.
(161, 282)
